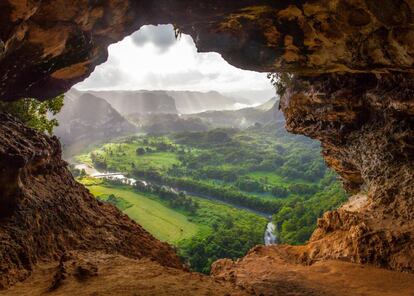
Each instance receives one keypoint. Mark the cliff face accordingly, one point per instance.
(138, 102)
(366, 127)
(350, 85)
(86, 119)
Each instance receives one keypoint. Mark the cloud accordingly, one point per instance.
(162, 37)
(112, 76)
(153, 59)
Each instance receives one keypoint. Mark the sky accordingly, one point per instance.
(153, 59)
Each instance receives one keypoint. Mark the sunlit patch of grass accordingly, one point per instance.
(162, 222)
(89, 181)
(123, 157)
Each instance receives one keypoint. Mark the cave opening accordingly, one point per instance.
(193, 149)
(346, 70)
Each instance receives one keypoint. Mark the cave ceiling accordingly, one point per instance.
(48, 46)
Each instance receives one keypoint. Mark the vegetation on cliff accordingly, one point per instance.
(34, 113)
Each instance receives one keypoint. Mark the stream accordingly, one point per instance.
(269, 236)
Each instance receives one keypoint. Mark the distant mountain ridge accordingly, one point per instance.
(86, 119)
(139, 102)
(166, 102)
(263, 114)
(189, 102)
(93, 117)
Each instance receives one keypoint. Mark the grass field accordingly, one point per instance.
(270, 177)
(122, 156)
(162, 222)
(274, 179)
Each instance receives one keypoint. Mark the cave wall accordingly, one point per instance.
(47, 46)
(351, 87)
(366, 126)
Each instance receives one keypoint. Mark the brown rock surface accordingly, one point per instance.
(266, 271)
(47, 46)
(365, 123)
(86, 274)
(272, 271)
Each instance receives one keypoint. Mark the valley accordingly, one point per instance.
(212, 193)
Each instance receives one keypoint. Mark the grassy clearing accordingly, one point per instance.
(164, 223)
(122, 157)
(270, 177)
(273, 179)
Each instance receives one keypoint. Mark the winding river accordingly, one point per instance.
(269, 236)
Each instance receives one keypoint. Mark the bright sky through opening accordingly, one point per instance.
(153, 59)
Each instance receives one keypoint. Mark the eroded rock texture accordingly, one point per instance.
(272, 271)
(366, 125)
(97, 273)
(46, 213)
(46, 46)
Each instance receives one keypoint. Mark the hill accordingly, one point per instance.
(243, 118)
(166, 102)
(139, 102)
(264, 114)
(167, 123)
(86, 119)
(188, 102)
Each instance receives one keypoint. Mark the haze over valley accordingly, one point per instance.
(90, 117)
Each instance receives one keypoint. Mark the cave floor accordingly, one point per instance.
(261, 272)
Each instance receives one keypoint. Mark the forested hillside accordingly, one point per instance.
(86, 119)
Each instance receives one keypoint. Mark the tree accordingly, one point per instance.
(280, 191)
(281, 82)
(34, 113)
(82, 173)
(140, 151)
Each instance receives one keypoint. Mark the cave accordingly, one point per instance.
(349, 83)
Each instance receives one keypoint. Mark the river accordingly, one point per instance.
(269, 236)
